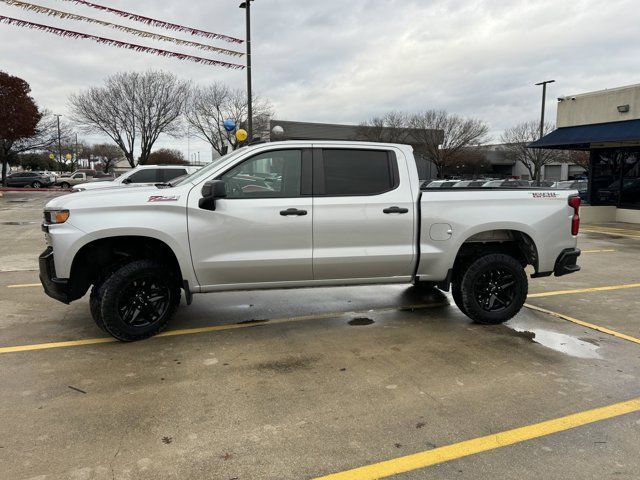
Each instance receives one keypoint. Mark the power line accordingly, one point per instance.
(141, 33)
(159, 23)
(117, 43)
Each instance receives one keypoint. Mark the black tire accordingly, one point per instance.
(138, 300)
(493, 289)
(65, 185)
(456, 293)
(36, 184)
(95, 301)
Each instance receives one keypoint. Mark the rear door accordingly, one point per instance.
(363, 214)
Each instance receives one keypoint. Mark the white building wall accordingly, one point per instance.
(599, 107)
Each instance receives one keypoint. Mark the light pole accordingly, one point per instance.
(544, 99)
(247, 6)
(59, 142)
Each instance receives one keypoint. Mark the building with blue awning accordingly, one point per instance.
(605, 123)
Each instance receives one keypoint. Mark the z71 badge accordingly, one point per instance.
(163, 198)
(544, 194)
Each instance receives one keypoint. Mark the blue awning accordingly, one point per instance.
(582, 136)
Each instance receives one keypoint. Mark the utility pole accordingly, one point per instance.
(544, 100)
(75, 152)
(59, 142)
(247, 6)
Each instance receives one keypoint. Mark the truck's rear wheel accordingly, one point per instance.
(138, 300)
(492, 289)
(65, 185)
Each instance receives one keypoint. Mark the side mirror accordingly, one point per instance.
(126, 181)
(210, 191)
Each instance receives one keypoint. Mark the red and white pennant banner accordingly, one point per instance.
(158, 23)
(140, 33)
(116, 43)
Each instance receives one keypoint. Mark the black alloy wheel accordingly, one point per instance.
(144, 301)
(495, 289)
(492, 289)
(136, 300)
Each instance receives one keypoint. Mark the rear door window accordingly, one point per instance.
(355, 172)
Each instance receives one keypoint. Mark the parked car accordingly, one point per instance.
(470, 184)
(75, 178)
(29, 179)
(141, 175)
(581, 185)
(344, 213)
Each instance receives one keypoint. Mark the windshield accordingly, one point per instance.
(204, 171)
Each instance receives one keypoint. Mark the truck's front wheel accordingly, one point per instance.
(492, 289)
(138, 300)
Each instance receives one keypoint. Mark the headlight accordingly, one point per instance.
(79, 189)
(56, 216)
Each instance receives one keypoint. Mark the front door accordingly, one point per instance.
(260, 233)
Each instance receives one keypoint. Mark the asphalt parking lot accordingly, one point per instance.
(335, 383)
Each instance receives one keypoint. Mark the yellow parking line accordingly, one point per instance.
(26, 285)
(592, 326)
(216, 328)
(483, 444)
(584, 290)
(618, 229)
(610, 232)
(599, 251)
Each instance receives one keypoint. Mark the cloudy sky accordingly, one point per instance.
(346, 61)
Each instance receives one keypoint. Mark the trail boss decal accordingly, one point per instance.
(163, 198)
(544, 195)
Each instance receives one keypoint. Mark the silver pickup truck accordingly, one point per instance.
(302, 214)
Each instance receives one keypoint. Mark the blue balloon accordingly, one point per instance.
(229, 125)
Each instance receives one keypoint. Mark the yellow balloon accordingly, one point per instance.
(241, 135)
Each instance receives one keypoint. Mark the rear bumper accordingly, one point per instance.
(567, 262)
(57, 288)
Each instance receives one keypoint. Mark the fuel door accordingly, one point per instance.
(440, 232)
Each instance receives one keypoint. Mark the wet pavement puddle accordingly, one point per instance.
(560, 342)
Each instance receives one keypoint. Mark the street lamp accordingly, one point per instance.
(544, 99)
(59, 142)
(247, 6)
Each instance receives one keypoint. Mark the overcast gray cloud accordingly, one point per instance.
(344, 61)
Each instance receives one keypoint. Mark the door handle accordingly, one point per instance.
(395, 210)
(293, 211)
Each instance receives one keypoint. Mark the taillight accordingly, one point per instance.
(574, 202)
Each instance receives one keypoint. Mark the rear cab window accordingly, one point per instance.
(148, 175)
(340, 172)
(168, 174)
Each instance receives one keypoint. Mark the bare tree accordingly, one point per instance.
(516, 140)
(209, 106)
(167, 156)
(391, 127)
(108, 155)
(459, 133)
(133, 109)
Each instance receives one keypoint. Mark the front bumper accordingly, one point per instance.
(566, 262)
(57, 288)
